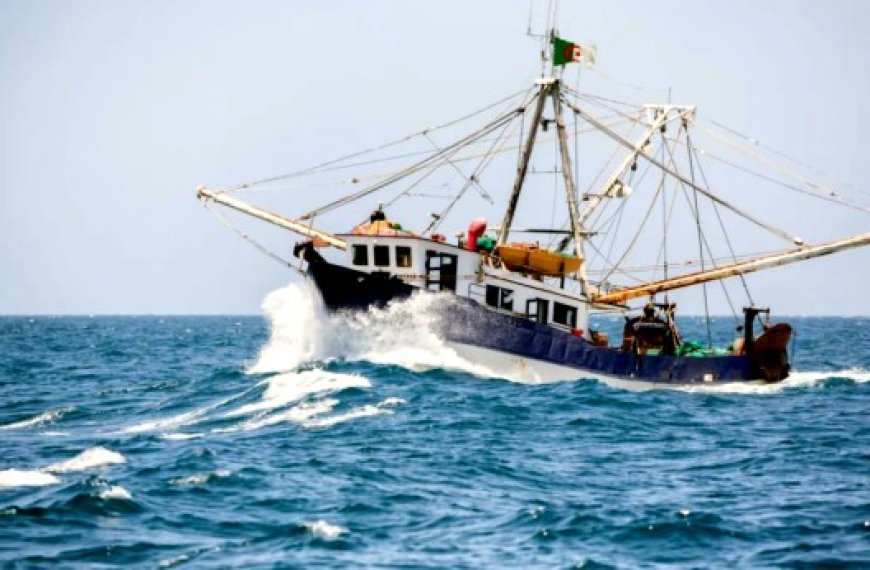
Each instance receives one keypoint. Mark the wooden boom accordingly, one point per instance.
(204, 193)
(741, 268)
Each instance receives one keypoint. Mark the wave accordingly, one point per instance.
(26, 478)
(178, 420)
(39, 420)
(292, 387)
(88, 459)
(306, 389)
(297, 414)
(366, 411)
(200, 478)
(323, 529)
(115, 492)
(401, 334)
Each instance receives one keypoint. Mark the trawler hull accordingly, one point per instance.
(523, 347)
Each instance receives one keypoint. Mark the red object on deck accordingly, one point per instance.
(475, 230)
(577, 332)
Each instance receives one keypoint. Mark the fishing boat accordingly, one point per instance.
(521, 307)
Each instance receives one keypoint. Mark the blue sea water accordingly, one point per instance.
(298, 440)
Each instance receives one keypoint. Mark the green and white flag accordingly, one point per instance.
(565, 51)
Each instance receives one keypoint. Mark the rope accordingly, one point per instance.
(702, 237)
(830, 196)
(445, 154)
(394, 142)
(709, 194)
(697, 215)
(756, 142)
(636, 236)
(487, 160)
(725, 234)
(480, 189)
(260, 247)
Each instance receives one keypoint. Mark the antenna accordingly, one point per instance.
(545, 36)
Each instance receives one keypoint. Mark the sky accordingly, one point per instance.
(113, 113)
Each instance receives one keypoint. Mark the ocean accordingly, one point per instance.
(300, 440)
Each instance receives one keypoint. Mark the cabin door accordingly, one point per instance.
(440, 271)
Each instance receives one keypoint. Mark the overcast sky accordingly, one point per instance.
(113, 112)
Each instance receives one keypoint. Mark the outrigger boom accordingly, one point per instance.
(741, 268)
(206, 194)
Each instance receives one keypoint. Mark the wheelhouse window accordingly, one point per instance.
(492, 293)
(360, 255)
(382, 256)
(403, 256)
(507, 299)
(500, 297)
(565, 315)
(537, 310)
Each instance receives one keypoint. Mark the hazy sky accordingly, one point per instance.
(113, 112)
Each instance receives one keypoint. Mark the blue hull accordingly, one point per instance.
(466, 321)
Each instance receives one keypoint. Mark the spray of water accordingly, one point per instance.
(402, 334)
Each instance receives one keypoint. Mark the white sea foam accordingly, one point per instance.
(284, 389)
(26, 478)
(177, 420)
(297, 414)
(39, 420)
(115, 492)
(88, 459)
(368, 410)
(799, 379)
(199, 478)
(404, 334)
(179, 436)
(173, 561)
(323, 529)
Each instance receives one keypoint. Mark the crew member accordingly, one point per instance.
(650, 330)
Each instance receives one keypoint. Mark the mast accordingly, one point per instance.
(570, 192)
(741, 268)
(206, 194)
(522, 168)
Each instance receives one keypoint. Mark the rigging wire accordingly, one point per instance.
(697, 216)
(475, 183)
(317, 167)
(725, 234)
(473, 179)
(633, 241)
(702, 237)
(618, 216)
(487, 160)
(381, 175)
(444, 154)
(706, 191)
(665, 218)
(693, 262)
(623, 83)
(822, 192)
(836, 199)
(258, 246)
(758, 143)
